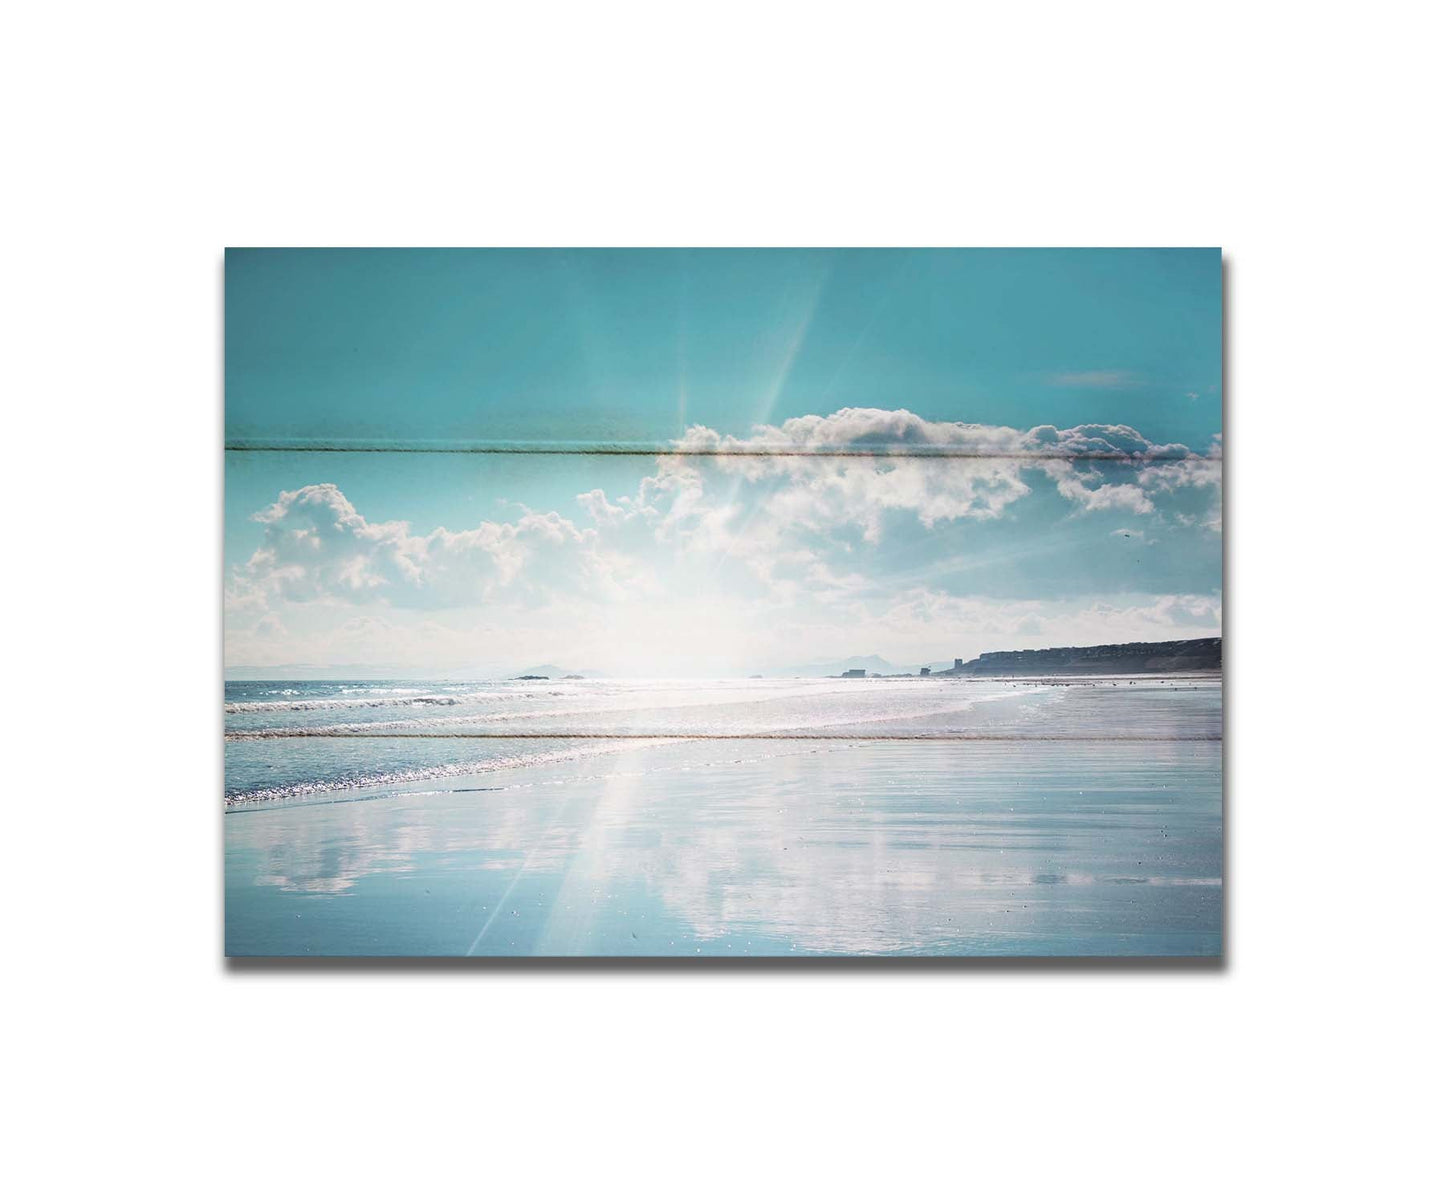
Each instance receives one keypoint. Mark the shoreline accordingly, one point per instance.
(275, 765)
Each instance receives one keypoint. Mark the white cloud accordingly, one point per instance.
(860, 429)
(269, 627)
(765, 543)
(938, 470)
(1191, 473)
(1085, 489)
(316, 546)
(1103, 378)
(595, 502)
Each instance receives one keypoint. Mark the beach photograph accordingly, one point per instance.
(723, 603)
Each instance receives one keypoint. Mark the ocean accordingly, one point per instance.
(793, 817)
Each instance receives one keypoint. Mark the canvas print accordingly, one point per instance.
(739, 603)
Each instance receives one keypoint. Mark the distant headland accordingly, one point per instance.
(1165, 656)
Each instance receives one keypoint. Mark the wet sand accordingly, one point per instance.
(1068, 846)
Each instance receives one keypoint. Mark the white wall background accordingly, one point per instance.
(143, 138)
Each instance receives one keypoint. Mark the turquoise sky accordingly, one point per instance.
(579, 346)
(480, 563)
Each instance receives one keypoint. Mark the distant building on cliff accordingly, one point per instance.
(957, 663)
(855, 672)
(925, 671)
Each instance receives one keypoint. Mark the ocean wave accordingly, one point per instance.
(602, 722)
(264, 796)
(270, 706)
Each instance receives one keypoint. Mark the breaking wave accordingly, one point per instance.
(263, 796)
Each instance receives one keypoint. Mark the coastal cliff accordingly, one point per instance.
(1167, 656)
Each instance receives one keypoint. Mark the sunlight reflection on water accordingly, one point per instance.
(741, 847)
